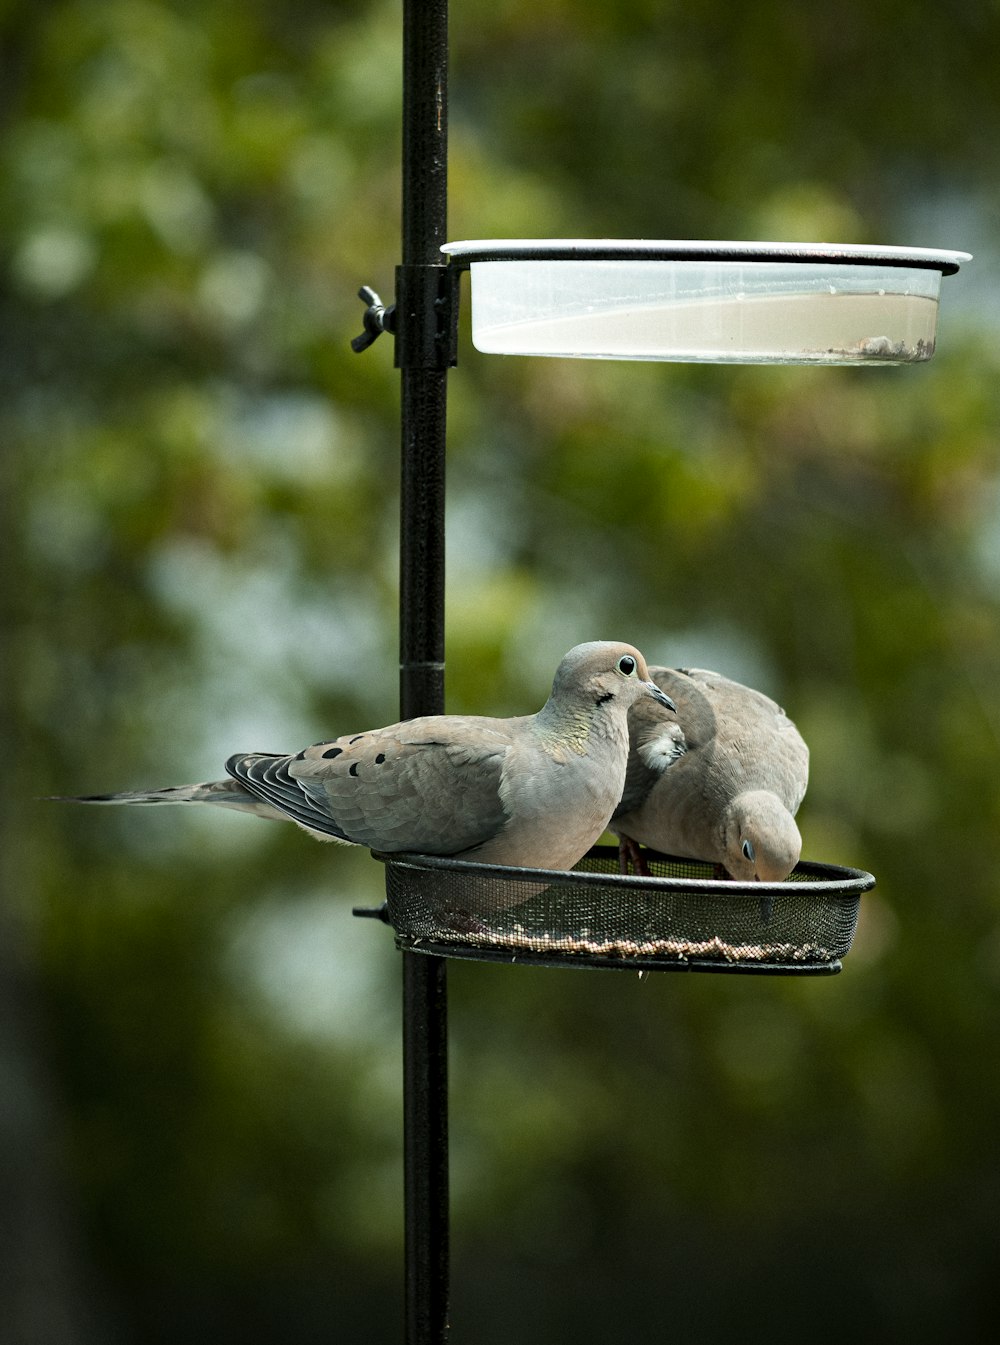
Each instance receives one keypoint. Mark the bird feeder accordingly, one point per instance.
(605, 299)
(677, 916)
(705, 302)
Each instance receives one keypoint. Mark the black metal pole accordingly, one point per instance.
(423, 354)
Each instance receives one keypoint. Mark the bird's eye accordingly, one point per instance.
(748, 851)
(626, 665)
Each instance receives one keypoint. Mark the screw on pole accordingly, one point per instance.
(378, 319)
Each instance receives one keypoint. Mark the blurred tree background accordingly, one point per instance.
(200, 1050)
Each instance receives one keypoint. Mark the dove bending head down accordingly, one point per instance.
(532, 792)
(720, 780)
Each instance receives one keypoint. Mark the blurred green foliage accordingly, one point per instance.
(199, 555)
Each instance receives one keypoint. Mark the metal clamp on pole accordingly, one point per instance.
(426, 316)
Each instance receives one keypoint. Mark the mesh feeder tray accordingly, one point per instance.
(679, 918)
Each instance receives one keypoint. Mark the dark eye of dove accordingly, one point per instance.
(627, 665)
(748, 851)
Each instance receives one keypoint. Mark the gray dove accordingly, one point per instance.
(720, 780)
(532, 792)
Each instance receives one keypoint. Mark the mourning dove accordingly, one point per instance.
(533, 792)
(720, 780)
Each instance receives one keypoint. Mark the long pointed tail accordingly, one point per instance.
(226, 793)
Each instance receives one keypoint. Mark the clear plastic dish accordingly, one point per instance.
(705, 302)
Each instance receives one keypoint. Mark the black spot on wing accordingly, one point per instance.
(332, 752)
(379, 759)
(353, 768)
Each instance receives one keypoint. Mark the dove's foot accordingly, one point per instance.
(630, 858)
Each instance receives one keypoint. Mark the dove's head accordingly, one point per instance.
(762, 842)
(606, 674)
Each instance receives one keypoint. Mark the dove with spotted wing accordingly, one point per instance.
(532, 792)
(718, 780)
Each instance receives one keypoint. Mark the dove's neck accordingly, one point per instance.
(580, 728)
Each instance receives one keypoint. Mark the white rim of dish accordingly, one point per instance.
(647, 249)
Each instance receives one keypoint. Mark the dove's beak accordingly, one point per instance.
(661, 696)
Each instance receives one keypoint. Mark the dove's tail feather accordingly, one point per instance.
(227, 793)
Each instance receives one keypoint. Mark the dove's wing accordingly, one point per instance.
(432, 785)
(758, 746)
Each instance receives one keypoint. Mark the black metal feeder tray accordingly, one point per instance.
(679, 918)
